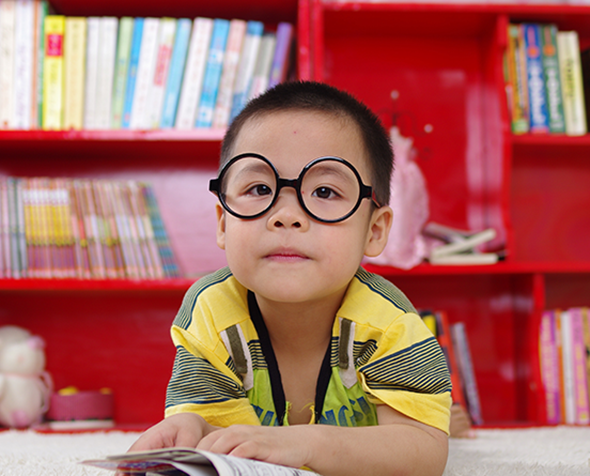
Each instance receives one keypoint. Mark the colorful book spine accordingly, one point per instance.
(235, 39)
(121, 70)
(194, 73)
(550, 371)
(568, 46)
(75, 61)
(259, 82)
(107, 51)
(145, 74)
(177, 65)
(246, 66)
(163, 56)
(568, 375)
(164, 248)
(91, 89)
(23, 64)
(517, 77)
(136, 40)
(41, 9)
(53, 72)
(7, 34)
(539, 120)
(551, 75)
(582, 410)
(212, 73)
(461, 345)
(282, 55)
(5, 224)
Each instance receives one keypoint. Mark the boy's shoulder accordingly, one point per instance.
(373, 300)
(218, 295)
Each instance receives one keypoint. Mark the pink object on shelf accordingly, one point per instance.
(82, 405)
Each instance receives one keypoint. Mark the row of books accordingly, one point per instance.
(545, 84)
(454, 342)
(564, 355)
(82, 228)
(97, 73)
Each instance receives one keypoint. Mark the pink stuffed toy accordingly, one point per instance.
(24, 385)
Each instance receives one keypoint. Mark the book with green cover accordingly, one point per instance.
(551, 76)
(121, 69)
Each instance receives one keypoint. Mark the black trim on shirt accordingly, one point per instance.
(278, 394)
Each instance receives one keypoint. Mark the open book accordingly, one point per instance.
(191, 462)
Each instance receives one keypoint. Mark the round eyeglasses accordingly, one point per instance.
(329, 189)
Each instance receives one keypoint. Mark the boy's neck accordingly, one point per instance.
(298, 327)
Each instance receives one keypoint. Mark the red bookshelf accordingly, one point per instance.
(439, 66)
(416, 65)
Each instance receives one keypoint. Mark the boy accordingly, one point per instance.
(294, 331)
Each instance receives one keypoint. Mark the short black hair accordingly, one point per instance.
(321, 97)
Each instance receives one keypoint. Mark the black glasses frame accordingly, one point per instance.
(365, 191)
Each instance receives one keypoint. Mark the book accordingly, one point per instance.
(261, 73)
(53, 71)
(176, 73)
(7, 34)
(107, 50)
(136, 40)
(166, 36)
(23, 64)
(465, 258)
(438, 323)
(550, 370)
(91, 82)
(585, 58)
(248, 58)
(568, 374)
(41, 9)
(121, 70)
(140, 118)
(456, 241)
(465, 365)
(578, 357)
(231, 58)
(192, 462)
(281, 60)
(538, 117)
(586, 331)
(568, 46)
(194, 73)
(551, 76)
(516, 58)
(74, 72)
(212, 73)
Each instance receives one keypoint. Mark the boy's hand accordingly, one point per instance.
(279, 445)
(182, 429)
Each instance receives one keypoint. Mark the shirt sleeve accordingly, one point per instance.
(203, 380)
(408, 372)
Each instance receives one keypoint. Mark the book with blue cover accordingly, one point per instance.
(246, 66)
(176, 73)
(132, 71)
(212, 73)
(538, 116)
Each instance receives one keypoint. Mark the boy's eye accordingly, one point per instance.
(325, 193)
(260, 190)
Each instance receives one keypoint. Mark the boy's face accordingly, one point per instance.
(285, 255)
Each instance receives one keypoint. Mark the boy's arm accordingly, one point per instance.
(397, 446)
(182, 429)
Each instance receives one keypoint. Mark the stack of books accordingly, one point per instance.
(98, 73)
(544, 80)
(82, 228)
(564, 353)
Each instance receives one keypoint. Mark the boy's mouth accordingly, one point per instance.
(286, 254)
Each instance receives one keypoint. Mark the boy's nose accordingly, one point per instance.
(287, 212)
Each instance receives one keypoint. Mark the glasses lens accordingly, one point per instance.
(248, 186)
(330, 189)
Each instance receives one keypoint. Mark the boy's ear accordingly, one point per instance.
(220, 226)
(378, 231)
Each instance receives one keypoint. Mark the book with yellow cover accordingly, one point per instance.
(74, 79)
(53, 72)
